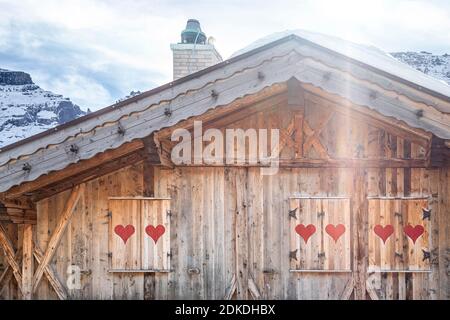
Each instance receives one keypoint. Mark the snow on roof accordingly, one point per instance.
(369, 55)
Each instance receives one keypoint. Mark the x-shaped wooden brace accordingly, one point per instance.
(312, 136)
(251, 287)
(11, 258)
(286, 137)
(44, 258)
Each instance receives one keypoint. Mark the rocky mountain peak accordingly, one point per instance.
(14, 78)
(26, 109)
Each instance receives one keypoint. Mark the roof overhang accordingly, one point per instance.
(222, 84)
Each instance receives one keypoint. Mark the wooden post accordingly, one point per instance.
(149, 191)
(296, 104)
(360, 255)
(27, 262)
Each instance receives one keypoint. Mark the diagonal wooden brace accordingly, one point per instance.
(51, 275)
(8, 249)
(7, 273)
(66, 216)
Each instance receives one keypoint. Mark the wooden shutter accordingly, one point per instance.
(399, 249)
(126, 253)
(156, 213)
(139, 234)
(320, 252)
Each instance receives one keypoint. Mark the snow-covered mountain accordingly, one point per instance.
(26, 109)
(437, 66)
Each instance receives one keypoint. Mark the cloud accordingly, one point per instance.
(97, 51)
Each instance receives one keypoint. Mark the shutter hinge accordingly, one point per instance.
(109, 254)
(109, 214)
(293, 255)
(169, 213)
(320, 214)
(169, 254)
(292, 213)
(426, 255)
(426, 214)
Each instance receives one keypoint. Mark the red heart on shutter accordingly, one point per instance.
(335, 231)
(155, 233)
(305, 232)
(414, 232)
(124, 232)
(383, 232)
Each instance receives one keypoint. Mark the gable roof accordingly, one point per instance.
(368, 55)
(278, 61)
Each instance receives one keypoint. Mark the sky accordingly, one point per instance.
(97, 51)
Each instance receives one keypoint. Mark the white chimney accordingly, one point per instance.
(194, 52)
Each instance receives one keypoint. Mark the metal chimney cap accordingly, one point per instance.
(193, 33)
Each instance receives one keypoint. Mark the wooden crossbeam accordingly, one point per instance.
(66, 216)
(51, 275)
(8, 249)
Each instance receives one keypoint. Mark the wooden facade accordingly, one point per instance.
(127, 223)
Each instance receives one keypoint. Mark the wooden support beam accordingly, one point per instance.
(51, 275)
(162, 151)
(27, 262)
(19, 211)
(371, 291)
(8, 249)
(7, 274)
(74, 169)
(65, 218)
(232, 289)
(359, 232)
(149, 191)
(348, 290)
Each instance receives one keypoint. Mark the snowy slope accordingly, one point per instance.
(364, 53)
(26, 109)
(437, 66)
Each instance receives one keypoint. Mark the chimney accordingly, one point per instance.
(194, 52)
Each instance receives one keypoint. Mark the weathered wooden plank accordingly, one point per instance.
(75, 169)
(27, 262)
(58, 232)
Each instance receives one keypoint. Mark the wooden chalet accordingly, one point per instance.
(359, 208)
